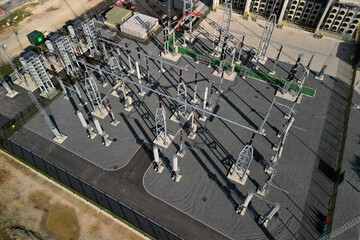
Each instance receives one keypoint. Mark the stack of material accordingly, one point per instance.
(140, 26)
(117, 15)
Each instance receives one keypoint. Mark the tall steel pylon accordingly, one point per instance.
(225, 26)
(32, 65)
(93, 94)
(266, 37)
(292, 73)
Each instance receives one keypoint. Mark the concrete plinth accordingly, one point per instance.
(60, 141)
(107, 143)
(179, 118)
(51, 94)
(203, 118)
(181, 154)
(177, 179)
(268, 169)
(288, 96)
(161, 143)
(12, 95)
(230, 76)
(319, 77)
(141, 93)
(104, 84)
(171, 57)
(115, 122)
(234, 177)
(261, 61)
(262, 193)
(194, 102)
(98, 114)
(32, 86)
(272, 73)
(130, 72)
(159, 168)
(192, 135)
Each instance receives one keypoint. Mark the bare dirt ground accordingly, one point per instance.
(33, 207)
(44, 17)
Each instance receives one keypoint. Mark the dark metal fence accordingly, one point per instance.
(130, 215)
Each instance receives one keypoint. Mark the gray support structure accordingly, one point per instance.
(243, 161)
(225, 26)
(93, 94)
(160, 123)
(291, 75)
(187, 16)
(247, 7)
(32, 65)
(181, 95)
(263, 220)
(91, 36)
(265, 38)
(65, 49)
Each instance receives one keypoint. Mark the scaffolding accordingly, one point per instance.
(33, 66)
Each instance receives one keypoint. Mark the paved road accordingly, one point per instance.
(126, 185)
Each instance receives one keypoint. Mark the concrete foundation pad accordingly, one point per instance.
(50, 95)
(115, 93)
(261, 61)
(12, 95)
(272, 73)
(178, 118)
(60, 141)
(104, 84)
(108, 142)
(115, 122)
(268, 169)
(203, 118)
(319, 77)
(178, 178)
(130, 72)
(171, 57)
(141, 93)
(98, 114)
(161, 143)
(181, 154)
(192, 135)
(234, 177)
(261, 193)
(230, 76)
(160, 169)
(194, 102)
(288, 96)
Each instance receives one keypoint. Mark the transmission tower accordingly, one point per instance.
(265, 38)
(33, 65)
(225, 26)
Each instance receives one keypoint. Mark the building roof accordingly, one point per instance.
(117, 15)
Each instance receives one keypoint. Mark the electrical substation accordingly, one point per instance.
(203, 119)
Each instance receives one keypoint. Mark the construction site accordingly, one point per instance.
(196, 119)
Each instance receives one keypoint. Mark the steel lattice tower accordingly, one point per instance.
(93, 94)
(187, 14)
(90, 33)
(160, 122)
(65, 50)
(243, 161)
(181, 95)
(33, 65)
(266, 37)
(225, 26)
